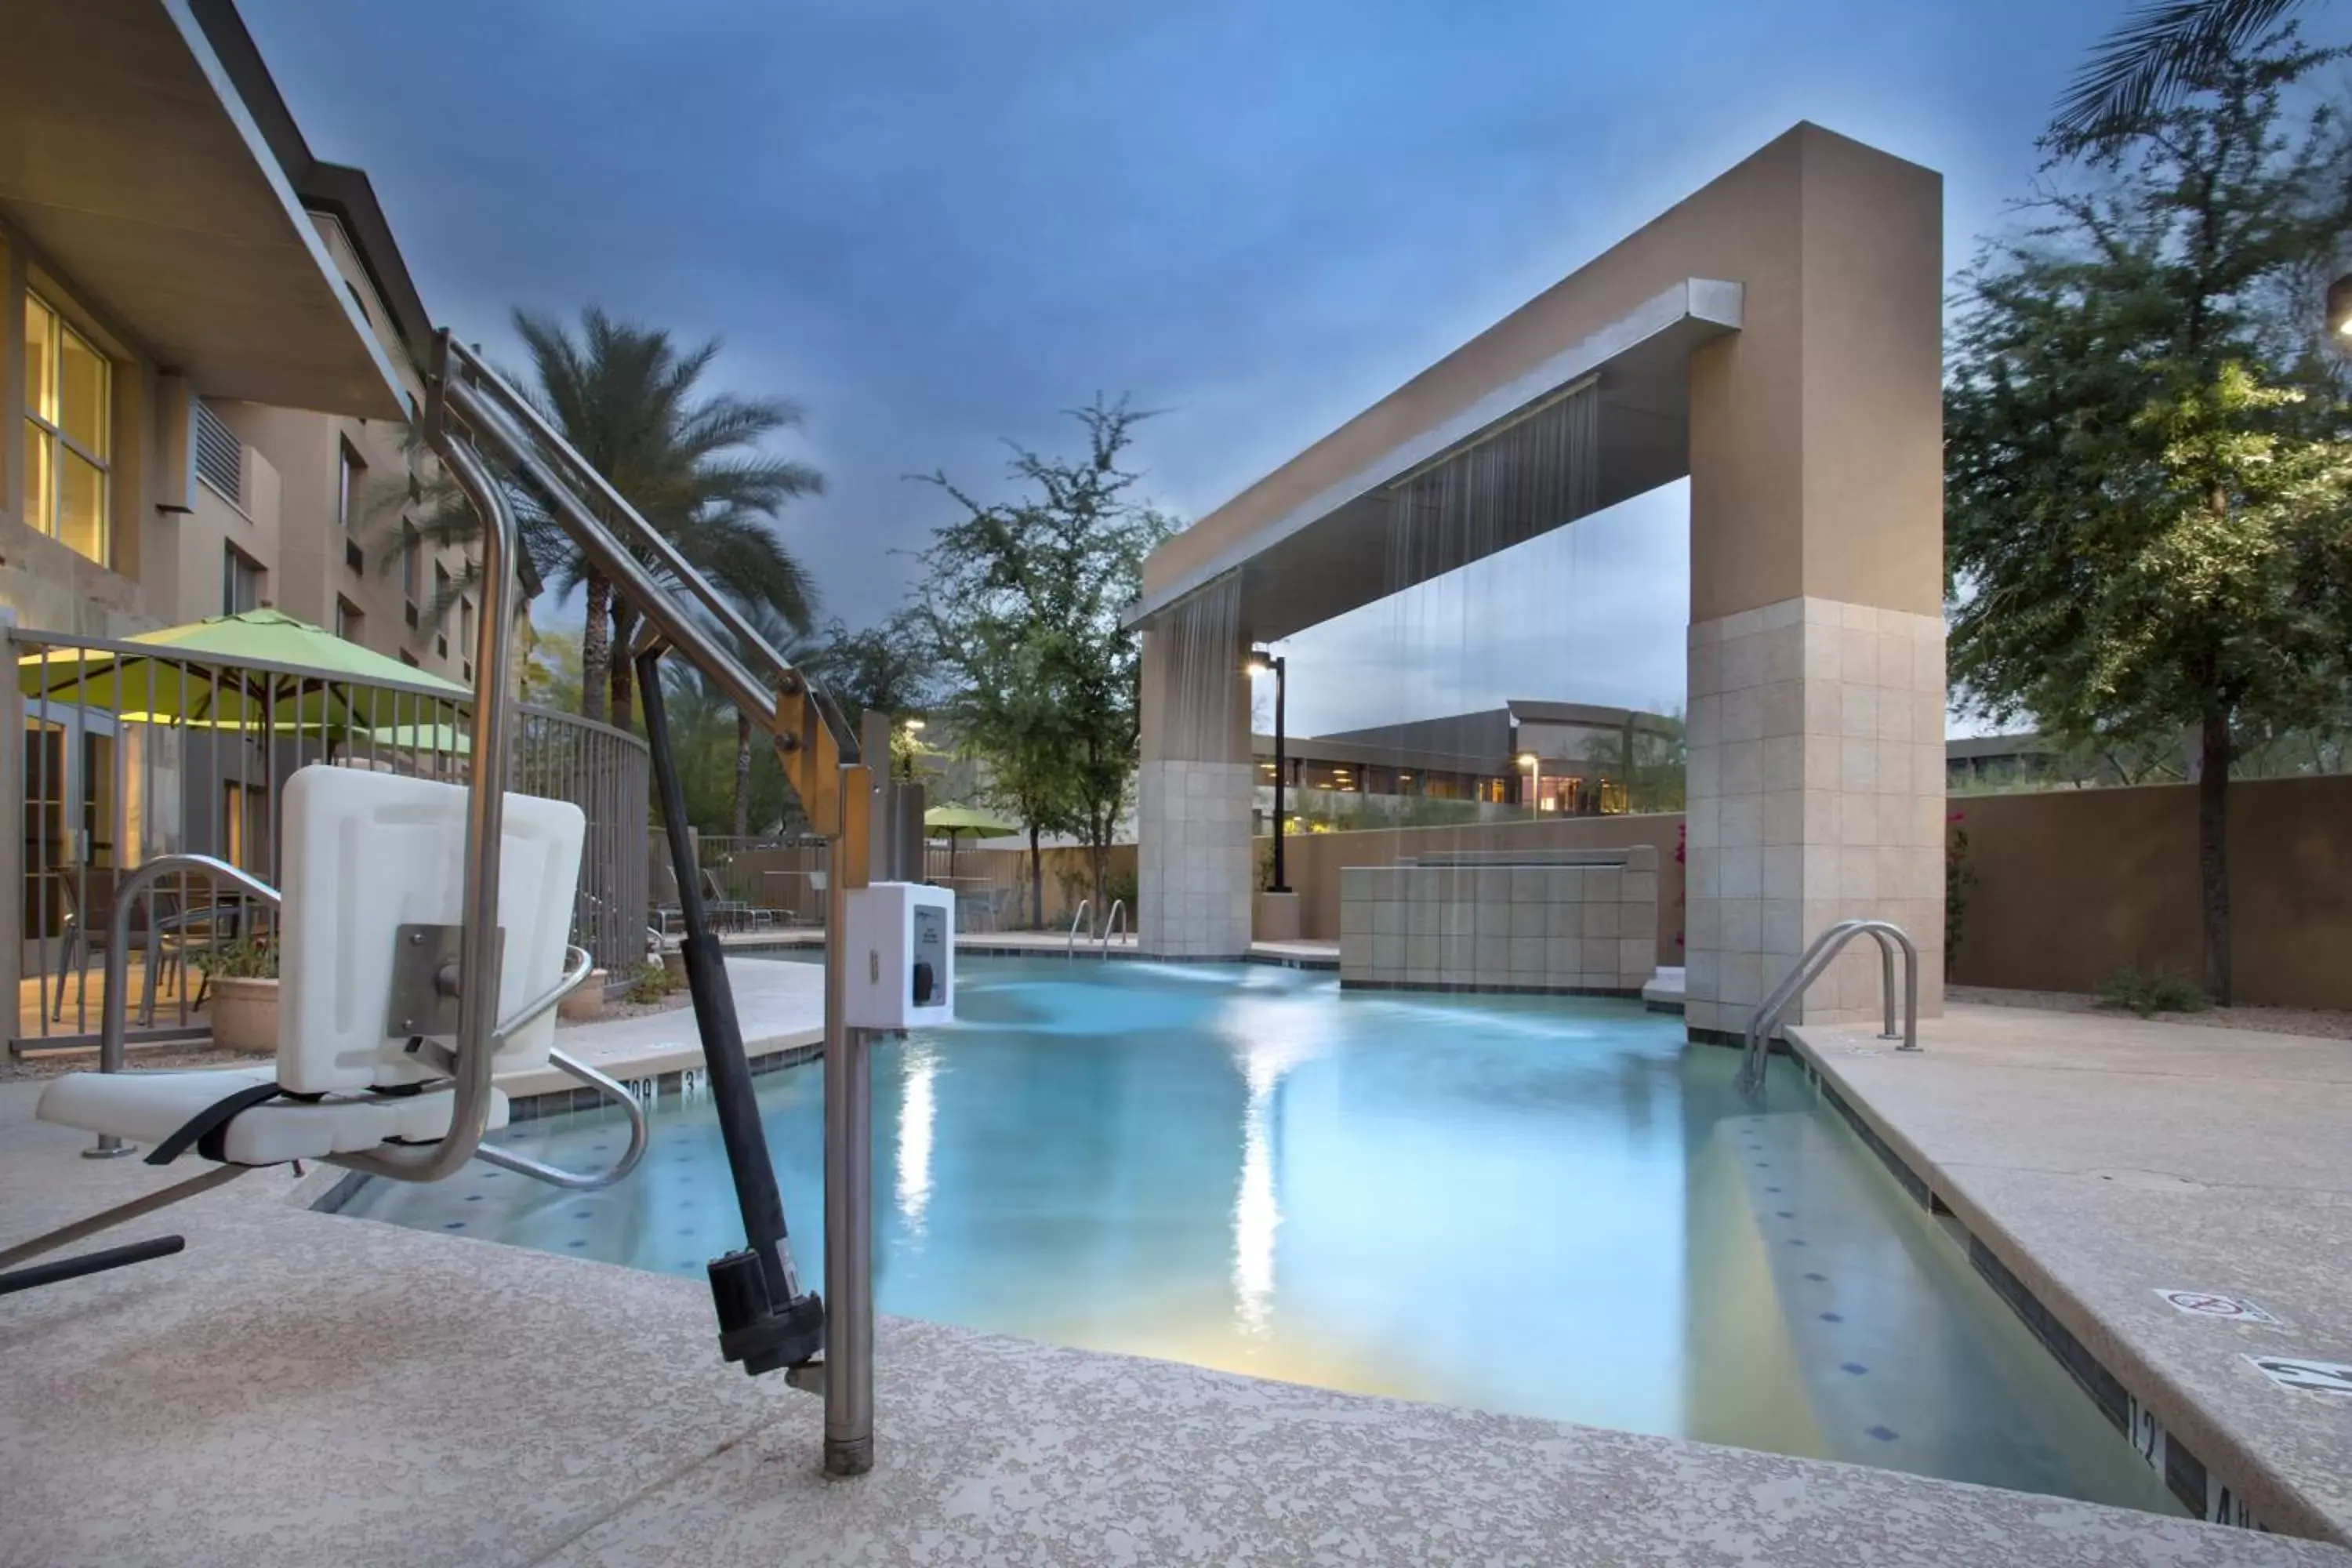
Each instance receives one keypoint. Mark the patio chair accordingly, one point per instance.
(160, 928)
(725, 912)
(366, 1070)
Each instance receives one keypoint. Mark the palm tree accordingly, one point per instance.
(623, 396)
(2158, 54)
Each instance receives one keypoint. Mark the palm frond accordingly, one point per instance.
(2159, 53)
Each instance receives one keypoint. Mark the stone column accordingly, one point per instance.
(1195, 871)
(1816, 706)
(1816, 796)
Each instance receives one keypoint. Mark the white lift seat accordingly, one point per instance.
(148, 1107)
(365, 853)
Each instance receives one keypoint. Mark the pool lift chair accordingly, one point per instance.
(396, 1009)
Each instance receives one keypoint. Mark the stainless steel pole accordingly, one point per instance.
(848, 1201)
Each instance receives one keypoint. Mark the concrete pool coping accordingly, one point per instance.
(2097, 1160)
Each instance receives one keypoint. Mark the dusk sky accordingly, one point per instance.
(937, 224)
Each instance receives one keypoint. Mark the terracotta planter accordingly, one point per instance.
(588, 1002)
(245, 1015)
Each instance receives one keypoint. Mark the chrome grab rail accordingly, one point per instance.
(1115, 921)
(579, 1180)
(113, 1005)
(1757, 1046)
(1070, 949)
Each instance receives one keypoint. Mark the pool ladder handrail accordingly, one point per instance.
(1756, 1048)
(1070, 949)
(1115, 921)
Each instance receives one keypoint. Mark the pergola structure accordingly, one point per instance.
(1776, 337)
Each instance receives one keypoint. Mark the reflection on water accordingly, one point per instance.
(1546, 1205)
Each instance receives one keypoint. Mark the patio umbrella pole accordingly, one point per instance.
(765, 1320)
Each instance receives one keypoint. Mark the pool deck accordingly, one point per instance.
(2102, 1159)
(298, 1387)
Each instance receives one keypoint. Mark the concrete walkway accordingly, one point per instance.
(2101, 1160)
(778, 1005)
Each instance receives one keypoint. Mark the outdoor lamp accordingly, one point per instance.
(2340, 306)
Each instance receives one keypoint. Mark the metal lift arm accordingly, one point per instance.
(766, 1321)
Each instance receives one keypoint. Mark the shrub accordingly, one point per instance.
(2162, 989)
(651, 982)
(247, 958)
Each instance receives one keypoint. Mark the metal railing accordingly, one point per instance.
(1116, 922)
(131, 750)
(1078, 921)
(1817, 958)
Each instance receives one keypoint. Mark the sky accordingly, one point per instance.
(937, 225)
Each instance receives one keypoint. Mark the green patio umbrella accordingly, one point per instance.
(256, 669)
(956, 823)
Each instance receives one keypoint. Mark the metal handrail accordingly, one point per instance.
(1070, 949)
(1757, 1044)
(580, 1181)
(485, 802)
(113, 1005)
(1113, 922)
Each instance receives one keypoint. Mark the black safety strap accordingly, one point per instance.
(208, 1129)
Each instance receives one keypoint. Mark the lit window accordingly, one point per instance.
(241, 579)
(68, 435)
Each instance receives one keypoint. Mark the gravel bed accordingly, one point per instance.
(2320, 1022)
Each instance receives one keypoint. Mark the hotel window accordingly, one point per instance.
(68, 434)
(349, 624)
(241, 580)
(441, 608)
(351, 474)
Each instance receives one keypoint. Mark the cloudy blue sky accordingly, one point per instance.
(937, 223)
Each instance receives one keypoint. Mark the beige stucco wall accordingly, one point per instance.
(1815, 430)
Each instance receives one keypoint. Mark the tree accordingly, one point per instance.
(1021, 609)
(2146, 474)
(886, 666)
(2161, 52)
(623, 396)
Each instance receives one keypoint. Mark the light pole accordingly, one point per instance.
(1534, 764)
(1261, 661)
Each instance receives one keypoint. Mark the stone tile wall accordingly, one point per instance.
(1195, 872)
(1816, 796)
(1519, 928)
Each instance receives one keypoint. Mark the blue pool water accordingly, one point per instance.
(1539, 1204)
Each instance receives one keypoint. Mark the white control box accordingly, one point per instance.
(901, 952)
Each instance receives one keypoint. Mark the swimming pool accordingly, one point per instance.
(1540, 1204)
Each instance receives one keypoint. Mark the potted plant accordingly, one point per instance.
(243, 976)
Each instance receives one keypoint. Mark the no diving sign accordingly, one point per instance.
(2208, 1304)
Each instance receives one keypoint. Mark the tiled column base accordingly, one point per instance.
(1816, 796)
(1195, 877)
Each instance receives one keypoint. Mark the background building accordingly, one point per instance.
(209, 350)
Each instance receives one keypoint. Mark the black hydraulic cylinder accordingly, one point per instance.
(772, 1324)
